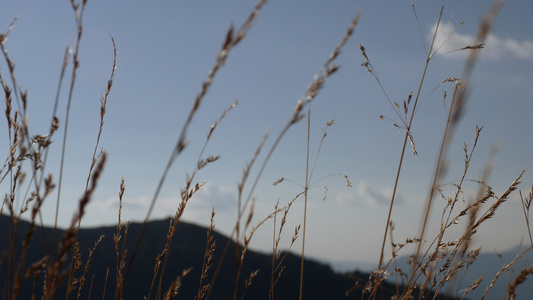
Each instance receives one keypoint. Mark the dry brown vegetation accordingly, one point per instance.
(437, 263)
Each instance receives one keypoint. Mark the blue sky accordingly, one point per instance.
(165, 50)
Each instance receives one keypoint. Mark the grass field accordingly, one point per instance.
(441, 250)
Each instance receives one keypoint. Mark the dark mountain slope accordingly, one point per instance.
(188, 248)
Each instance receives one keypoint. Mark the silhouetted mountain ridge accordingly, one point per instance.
(187, 250)
(487, 265)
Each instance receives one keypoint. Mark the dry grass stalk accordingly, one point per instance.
(208, 258)
(105, 283)
(121, 253)
(328, 69)
(20, 96)
(232, 39)
(87, 266)
(518, 280)
(440, 252)
(277, 260)
(406, 125)
(95, 158)
(29, 235)
(441, 248)
(76, 257)
(449, 254)
(35, 149)
(34, 269)
(186, 194)
(246, 238)
(452, 120)
(54, 270)
(158, 260)
(463, 242)
(90, 288)
(312, 91)
(492, 210)
(241, 208)
(408, 136)
(175, 285)
(503, 269)
(24, 146)
(308, 185)
(161, 256)
(78, 11)
(526, 205)
(473, 286)
(103, 108)
(248, 282)
(483, 32)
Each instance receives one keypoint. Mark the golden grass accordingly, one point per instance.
(436, 264)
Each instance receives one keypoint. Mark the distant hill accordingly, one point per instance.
(320, 281)
(488, 264)
(187, 251)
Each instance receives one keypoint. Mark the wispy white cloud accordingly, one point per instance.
(345, 199)
(375, 196)
(211, 195)
(369, 194)
(223, 199)
(129, 203)
(208, 195)
(496, 48)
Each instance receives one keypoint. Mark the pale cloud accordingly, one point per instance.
(223, 199)
(345, 199)
(375, 196)
(211, 195)
(129, 203)
(518, 79)
(369, 194)
(495, 48)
